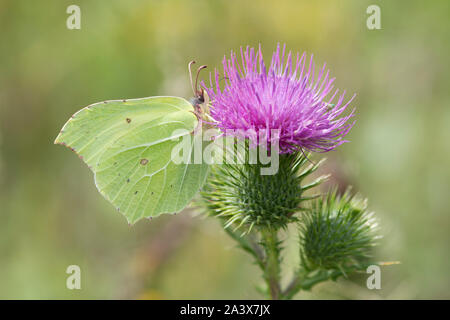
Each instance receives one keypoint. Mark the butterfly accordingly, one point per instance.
(128, 143)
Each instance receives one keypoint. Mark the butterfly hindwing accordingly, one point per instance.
(128, 145)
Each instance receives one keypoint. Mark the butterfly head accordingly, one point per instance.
(199, 94)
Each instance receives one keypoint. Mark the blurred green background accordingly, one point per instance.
(52, 216)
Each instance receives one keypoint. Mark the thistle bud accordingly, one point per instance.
(337, 233)
(244, 197)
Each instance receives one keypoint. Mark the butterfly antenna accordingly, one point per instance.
(196, 78)
(190, 76)
(303, 152)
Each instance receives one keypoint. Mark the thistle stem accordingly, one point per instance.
(272, 262)
(305, 281)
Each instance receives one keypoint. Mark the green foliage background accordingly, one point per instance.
(52, 216)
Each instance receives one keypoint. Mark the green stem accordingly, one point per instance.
(272, 262)
(305, 281)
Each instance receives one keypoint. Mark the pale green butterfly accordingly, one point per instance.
(128, 145)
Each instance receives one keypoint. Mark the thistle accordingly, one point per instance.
(242, 197)
(285, 97)
(336, 231)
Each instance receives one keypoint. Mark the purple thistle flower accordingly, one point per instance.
(285, 97)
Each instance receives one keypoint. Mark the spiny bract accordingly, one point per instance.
(243, 197)
(337, 233)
